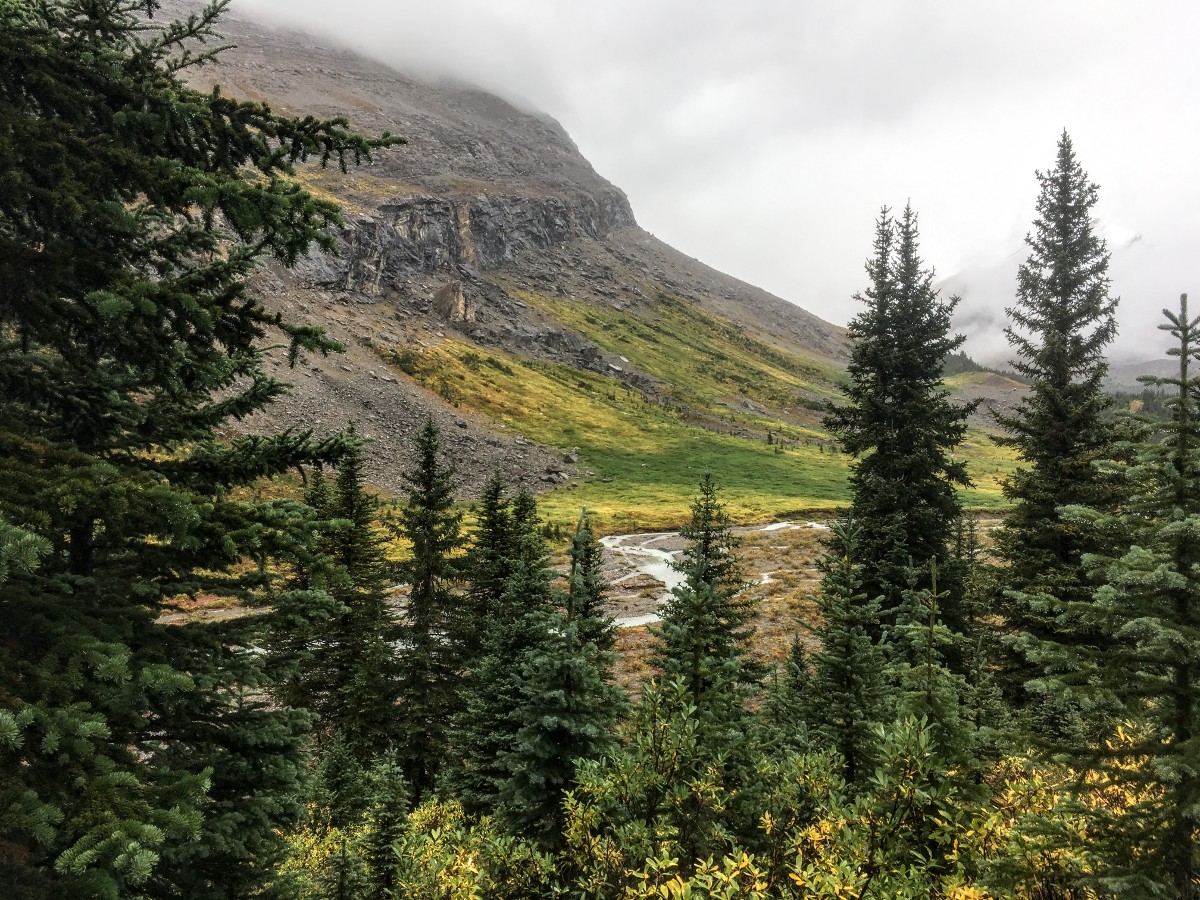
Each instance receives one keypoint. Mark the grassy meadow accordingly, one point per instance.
(645, 451)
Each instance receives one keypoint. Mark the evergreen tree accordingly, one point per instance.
(430, 664)
(1147, 661)
(705, 628)
(132, 208)
(926, 690)
(784, 711)
(899, 423)
(387, 818)
(586, 593)
(566, 713)
(1062, 321)
(566, 707)
(351, 677)
(705, 649)
(487, 567)
(486, 729)
(848, 690)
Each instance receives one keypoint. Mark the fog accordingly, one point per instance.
(763, 137)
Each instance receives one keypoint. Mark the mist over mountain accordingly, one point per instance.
(1147, 272)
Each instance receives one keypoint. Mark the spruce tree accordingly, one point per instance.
(848, 692)
(486, 728)
(898, 422)
(1063, 320)
(488, 564)
(704, 648)
(132, 208)
(430, 664)
(587, 589)
(350, 679)
(705, 629)
(789, 694)
(566, 713)
(1146, 658)
(388, 804)
(925, 689)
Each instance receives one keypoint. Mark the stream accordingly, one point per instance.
(641, 556)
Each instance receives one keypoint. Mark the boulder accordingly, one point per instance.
(452, 305)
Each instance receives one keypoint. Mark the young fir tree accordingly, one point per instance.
(899, 423)
(132, 208)
(538, 701)
(352, 677)
(1062, 321)
(587, 589)
(430, 665)
(783, 719)
(925, 689)
(704, 648)
(705, 629)
(488, 564)
(388, 802)
(848, 692)
(486, 728)
(567, 713)
(1147, 663)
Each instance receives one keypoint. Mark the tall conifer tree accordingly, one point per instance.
(488, 565)
(486, 729)
(705, 628)
(847, 696)
(1062, 321)
(1146, 660)
(431, 662)
(357, 671)
(131, 210)
(899, 423)
(587, 589)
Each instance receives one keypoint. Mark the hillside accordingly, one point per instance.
(488, 276)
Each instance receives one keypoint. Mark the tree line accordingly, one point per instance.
(968, 716)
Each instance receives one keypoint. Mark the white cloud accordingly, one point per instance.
(762, 136)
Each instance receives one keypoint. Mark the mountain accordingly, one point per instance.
(488, 276)
(1144, 272)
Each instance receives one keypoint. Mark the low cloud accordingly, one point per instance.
(763, 137)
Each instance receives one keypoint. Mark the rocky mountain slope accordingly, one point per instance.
(488, 236)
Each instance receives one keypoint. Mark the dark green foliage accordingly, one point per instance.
(567, 708)
(586, 588)
(349, 676)
(705, 628)
(387, 808)
(1062, 321)
(254, 753)
(848, 691)
(1147, 659)
(514, 623)
(925, 689)
(783, 721)
(431, 663)
(704, 649)
(899, 423)
(537, 700)
(487, 567)
(131, 210)
(567, 712)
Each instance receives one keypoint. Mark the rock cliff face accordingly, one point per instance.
(422, 235)
(485, 207)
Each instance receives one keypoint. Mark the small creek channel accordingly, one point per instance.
(653, 554)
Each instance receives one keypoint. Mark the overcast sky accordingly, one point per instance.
(763, 136)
